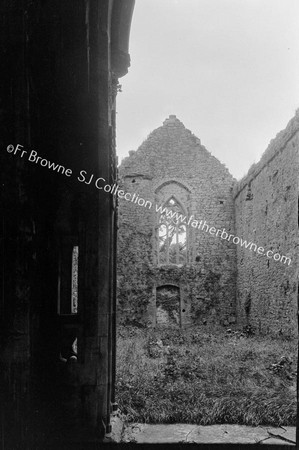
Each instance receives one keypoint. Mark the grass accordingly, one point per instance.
(205, 377)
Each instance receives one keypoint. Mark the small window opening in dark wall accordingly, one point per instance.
(68, 279)
(74, 294)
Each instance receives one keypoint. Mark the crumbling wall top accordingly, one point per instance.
(275, 146)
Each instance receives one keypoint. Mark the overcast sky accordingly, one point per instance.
(228, 69)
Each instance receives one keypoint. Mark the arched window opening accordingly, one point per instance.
(172, 234)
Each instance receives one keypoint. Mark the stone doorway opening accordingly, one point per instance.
(168, 305)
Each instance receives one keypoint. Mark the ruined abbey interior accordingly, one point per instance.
(61, 62)
(194, 270)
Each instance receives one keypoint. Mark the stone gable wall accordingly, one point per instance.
(172, 162)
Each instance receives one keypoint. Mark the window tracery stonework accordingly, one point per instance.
(172, 234)
(171, 169)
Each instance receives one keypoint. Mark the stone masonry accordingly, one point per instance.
(266, 209)
(172, 163)
(218, 281)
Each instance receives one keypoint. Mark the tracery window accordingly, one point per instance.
(172, 234)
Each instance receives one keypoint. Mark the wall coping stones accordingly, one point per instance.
(170, 124)
(172, 120)
(275, 146)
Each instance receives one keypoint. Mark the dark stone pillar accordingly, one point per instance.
(58, 89)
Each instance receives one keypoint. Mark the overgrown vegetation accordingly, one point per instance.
(205, 377)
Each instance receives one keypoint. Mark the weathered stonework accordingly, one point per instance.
(220, 281)
(266, 208)
(172, 163)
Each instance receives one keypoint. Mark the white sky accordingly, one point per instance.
(228, 69)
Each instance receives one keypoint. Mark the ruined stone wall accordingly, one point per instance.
(266, 208)
(173, 163)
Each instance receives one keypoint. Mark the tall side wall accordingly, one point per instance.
(266, 211)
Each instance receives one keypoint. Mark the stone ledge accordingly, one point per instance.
(188, 433)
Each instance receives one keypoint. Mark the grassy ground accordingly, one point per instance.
(205, 377)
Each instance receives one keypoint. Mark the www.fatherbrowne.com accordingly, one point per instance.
(222, 233)
(174, 215)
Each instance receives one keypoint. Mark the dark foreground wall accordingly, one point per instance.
(60, 61)
(266, 208)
